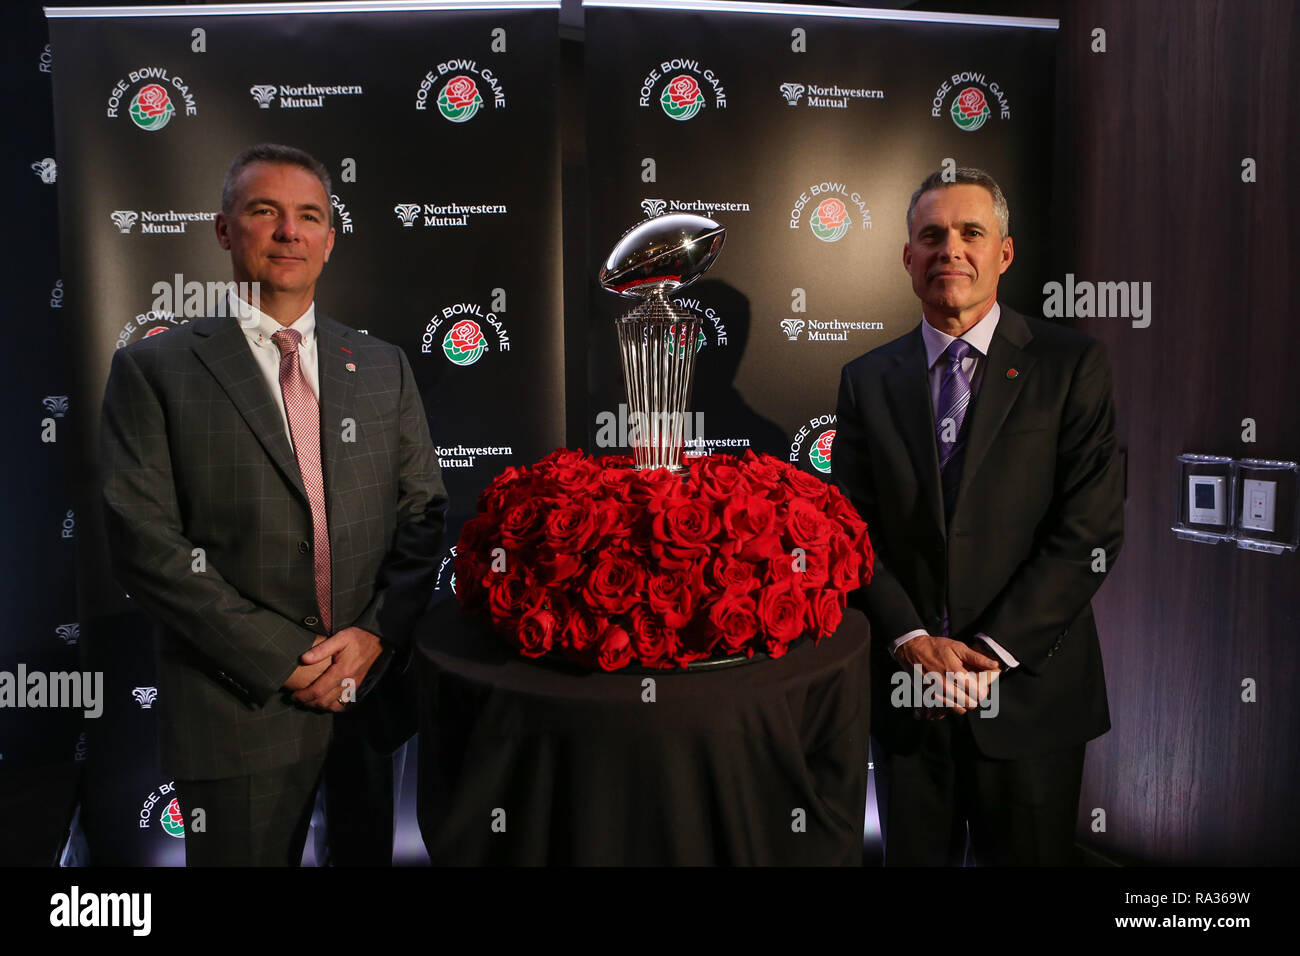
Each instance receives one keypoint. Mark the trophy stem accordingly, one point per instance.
(658, 347)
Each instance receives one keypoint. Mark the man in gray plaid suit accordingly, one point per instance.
(273, 500)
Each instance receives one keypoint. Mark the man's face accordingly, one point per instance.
(955, 255)
(278, 230)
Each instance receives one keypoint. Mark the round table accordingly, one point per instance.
(526, 763)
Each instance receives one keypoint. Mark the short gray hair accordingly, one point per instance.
(965, 176)
(285, 156)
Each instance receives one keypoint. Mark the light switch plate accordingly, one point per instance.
(1258, 504)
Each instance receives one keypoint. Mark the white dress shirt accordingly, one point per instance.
(979, 336)
(258, 328)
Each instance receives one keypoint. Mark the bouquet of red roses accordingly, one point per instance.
(607, 565)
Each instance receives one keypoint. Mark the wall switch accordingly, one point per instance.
(1258, 504)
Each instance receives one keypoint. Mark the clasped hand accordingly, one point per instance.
(317, 682)
(967, 674)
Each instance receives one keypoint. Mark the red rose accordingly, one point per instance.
(513, 593)
(569, 471)
(613, 585)
(461, 92)
(555, 569)
(571, 527)
(781, 609)
(644, 486)
(810, 569)
(682, 529)
(971, 102)
(825, 611)
(735, 618)
(831, 212)
(655, 643)
(845, 563)
(616, 462)
(766, 477)
(838, 508)
(582, 630)
(504, 488)
(811, 489)
(683, 90)
(718, 478)
(806, 526)
(522, 524)
(732, 574)
(535, 632)
(671, 596)
(615, 648)
(153, 100)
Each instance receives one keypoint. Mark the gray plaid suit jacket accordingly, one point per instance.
(195, 456)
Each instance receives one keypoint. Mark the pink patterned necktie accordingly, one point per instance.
(304, 425)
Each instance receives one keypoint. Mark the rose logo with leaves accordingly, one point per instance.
(465, 343)
(970, 110)
(172, 820)
(820, 452)
(830, 220)
(676, 339)
(152, 108)
(682, 98)
(460, 99)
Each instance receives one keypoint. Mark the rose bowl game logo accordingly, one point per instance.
(464, 343)
(819, 448)
(971, 93)
(820, 452)
(677, 340)
(970, 110)
(152, 108)
(681, 95)
(828, 205)
(172, 820)
(155, 101)
(465, 89)
(459, 99)
(830, 220)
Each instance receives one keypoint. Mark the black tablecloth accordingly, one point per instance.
(525, 763)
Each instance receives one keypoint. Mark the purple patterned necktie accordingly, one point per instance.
(303, 412)
(954, 400)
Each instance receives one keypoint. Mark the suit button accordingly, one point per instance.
(303, 547)
(311, 620)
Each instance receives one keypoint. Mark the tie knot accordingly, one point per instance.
(957, 350)
(287, 341)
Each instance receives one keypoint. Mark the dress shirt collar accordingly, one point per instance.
(259, 327)
(979, 335)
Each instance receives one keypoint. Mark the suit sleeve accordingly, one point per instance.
(408, 572)
(886, 603)
(1056, 581)
(253, 649)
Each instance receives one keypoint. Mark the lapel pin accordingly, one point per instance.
(350, 367)
(1012, 373)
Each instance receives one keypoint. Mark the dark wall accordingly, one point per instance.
(1151, 137)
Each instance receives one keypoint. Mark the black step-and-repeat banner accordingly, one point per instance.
(804, 131)
(438, 125)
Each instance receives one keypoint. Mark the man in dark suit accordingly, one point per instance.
(980, 449)
(273, 500)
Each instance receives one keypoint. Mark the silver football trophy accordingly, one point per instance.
(658, 343)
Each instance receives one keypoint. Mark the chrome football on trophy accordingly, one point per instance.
(657, 342)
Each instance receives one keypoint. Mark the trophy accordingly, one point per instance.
(656, 341)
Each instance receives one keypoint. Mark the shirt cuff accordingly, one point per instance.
(999, 650)
(899, 642)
